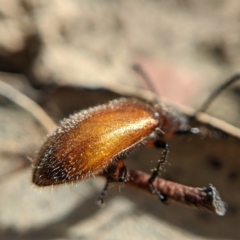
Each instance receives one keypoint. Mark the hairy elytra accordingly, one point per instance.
(87, 142)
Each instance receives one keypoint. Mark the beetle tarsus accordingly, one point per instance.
(154, 190)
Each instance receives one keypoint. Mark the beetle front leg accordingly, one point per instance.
(159, 167)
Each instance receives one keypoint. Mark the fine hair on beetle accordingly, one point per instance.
(88, 142)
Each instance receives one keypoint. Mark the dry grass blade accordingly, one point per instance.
(27, 104)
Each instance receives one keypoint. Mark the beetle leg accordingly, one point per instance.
(201, 131)
(188, 130)
(156, 171)
(121, 173)
(103, 194)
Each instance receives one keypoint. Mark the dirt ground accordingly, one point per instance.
(62, 56)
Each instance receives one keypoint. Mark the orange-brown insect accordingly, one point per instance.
(89, 141)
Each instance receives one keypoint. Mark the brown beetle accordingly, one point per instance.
(89, 141)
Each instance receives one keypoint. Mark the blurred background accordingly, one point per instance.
(60, 56)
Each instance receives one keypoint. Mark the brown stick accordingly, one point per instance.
(206, 198)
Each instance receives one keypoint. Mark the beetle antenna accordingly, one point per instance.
(217, 92)
(137, 67)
